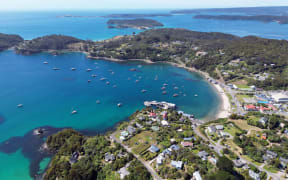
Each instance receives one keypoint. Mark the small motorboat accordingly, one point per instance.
(73, 69)
(45, 62)
(93, 75)
(107, 82)
(136, 81)
(89, 81)
(55, 69)
(98, 102)
(164, 92)
(175, 95)
(88, 70)
(176, 88)
(119, 104)
(143, 90)
(165, 84)
(196, 95)
(163, 88)
(114, 86)
(20, 105)
(74, 112)
(102, 79)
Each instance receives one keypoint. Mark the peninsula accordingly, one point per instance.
(133, 23)
(7, 41)
(221, 55)
(261, 18)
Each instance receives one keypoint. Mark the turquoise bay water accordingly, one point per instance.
(50, 96)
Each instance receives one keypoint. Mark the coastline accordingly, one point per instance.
(224, 108)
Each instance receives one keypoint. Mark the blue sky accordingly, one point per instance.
(131, 4)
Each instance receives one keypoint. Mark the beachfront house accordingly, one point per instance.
(211, 129)
(219, 127)
(131, 130)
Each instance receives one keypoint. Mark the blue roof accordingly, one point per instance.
(154, 149)
(175, 147)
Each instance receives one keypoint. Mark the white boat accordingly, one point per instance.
(45, 62)
(98, 102)
(107, 82)
(176, 88)
(144, 90)
(119, 104)
(196, 95)
(20, 105)
(93, 75)
(89, 81)
(175, 95)
(74, 112)
(137, 81)
(73, 69)
(55, 69)
(114, 86)
(102, 79)
(88, 70)
(164, 92)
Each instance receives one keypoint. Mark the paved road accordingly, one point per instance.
(146, 164)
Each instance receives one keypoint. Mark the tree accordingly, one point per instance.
(225, 164)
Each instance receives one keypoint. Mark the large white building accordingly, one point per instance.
(280, 97)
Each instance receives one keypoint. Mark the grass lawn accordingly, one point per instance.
(231, 129)
(240, 82)
(270, 169)
(243, 125)
(242, 86)
(251, 160)
(140, 142)
(233, 146)
(241, 97)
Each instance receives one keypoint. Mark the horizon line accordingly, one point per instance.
(136, 8)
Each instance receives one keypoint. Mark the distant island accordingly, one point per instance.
(135, 15)
(273, 10)
(262, 18)
(133, 23)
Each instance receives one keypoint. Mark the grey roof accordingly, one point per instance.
(271, 153)
(131, 130)
(283, 160)
(166, 151)
(203, 154)
(154, 149)
(212, 128)
(219, 127)
(177, 164)
(109, 157)
(263, 120)
(174, 147)
(139, 125)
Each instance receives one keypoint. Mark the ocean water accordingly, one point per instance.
(50, 96)
(34, 24)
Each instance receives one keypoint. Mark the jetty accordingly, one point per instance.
(162, 105)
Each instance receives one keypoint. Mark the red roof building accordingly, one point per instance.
(187, 144)
(250, 107)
